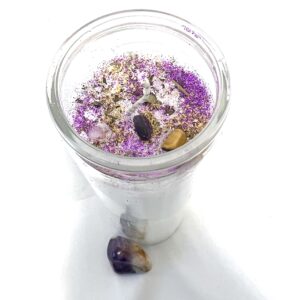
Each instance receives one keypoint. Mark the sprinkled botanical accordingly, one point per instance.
(141, 106)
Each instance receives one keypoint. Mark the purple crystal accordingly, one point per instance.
(127, 257)
(142, 127)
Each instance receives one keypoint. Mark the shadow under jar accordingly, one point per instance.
(148, 194)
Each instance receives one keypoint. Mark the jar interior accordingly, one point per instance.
(148, 39)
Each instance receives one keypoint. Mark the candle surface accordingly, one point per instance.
(136, 104)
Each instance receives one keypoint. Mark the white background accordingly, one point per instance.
(241, 238)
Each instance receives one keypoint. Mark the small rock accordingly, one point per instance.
(99, 132)
(126, 256)
(174, 140)
(142, 127)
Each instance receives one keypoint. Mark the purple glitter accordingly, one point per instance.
(183, 101)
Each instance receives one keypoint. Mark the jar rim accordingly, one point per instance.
(163, 161)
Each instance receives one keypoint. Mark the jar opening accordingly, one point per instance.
(107, 26)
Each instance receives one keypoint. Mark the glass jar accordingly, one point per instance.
(147, 195)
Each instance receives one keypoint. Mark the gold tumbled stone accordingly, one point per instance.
(174, 140)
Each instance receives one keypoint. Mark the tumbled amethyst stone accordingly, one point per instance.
(127, 256)
(142, 127)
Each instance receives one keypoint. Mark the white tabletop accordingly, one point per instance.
(240, 239)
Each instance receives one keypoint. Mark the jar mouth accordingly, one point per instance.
(167, 160)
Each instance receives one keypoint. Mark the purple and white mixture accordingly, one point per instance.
(141, 106)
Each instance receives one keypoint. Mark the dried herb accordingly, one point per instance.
(152, 99)
(151, 79)
(169, 110)
(116, 98)
(180, 88)
(96, 104)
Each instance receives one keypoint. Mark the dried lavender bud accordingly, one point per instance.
(142, 127)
